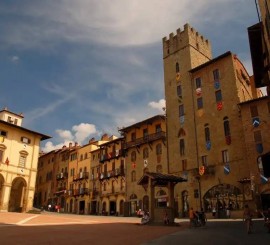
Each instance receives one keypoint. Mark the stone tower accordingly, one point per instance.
(204, 126)
(181, 52)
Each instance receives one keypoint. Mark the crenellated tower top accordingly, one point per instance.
(188, 37)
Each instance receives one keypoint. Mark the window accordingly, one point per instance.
(198, 82)
(177, 68)
(3, 133)
(145, 133)
(73, 157)
(184, 164)
(85, 156)
(133, 176)
(179, 90)
(200, 103)
(158, 149)
(182, 147)
(145, 153)
(133, 136)
(133, 156)
(257, 136)
(226, 125)
(25, 140)
(225, 156)
(254, 111)
(218, 96)
(216, 75)
(81, 157)
(22, 161)
(207, 132)
(204, 161)
(181, 110)
(158, 128)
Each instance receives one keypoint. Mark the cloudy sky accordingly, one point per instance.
(79, 68)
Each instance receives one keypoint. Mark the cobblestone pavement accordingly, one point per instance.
(53, 228)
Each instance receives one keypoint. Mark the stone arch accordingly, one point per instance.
(17, 198)
(222, 196)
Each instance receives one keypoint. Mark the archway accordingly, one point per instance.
(17, 197)
(221, 197)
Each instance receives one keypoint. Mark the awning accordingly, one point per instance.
(160, 179)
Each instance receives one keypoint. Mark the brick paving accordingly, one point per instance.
(53, 228)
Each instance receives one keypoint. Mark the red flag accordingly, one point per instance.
(7, 161)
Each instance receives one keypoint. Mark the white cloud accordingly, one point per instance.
(83, 131)
(160, 105)
(118, 22)
(79, 134)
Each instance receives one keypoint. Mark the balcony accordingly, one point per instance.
(112, 174)
(80, 191)
(111, 155)
(61, 176)
(60, 191)
(81, 176)
(146, 139)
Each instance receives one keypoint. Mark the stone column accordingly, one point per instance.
(6, 188)
(152, 199)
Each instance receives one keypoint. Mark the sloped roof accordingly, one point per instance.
(160, 179)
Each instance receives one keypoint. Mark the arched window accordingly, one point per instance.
(85, 155)
(145, 153)
(226, 125)
(159, 149)
(177, 68)
(182, 147)
(133, 176)
(133, 156)
(207, 132)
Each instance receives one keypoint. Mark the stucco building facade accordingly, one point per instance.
(19, 152)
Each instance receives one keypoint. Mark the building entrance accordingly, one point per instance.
(17, 195)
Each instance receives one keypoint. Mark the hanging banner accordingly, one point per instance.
(198, 91)
(259, 148)
(227, 169)
(182, 119)
(264, 180)
(219, 106)
(255, 122)
(208, 145)
(201, 170)
(217, 85)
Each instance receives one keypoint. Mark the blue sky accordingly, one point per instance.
(79, 69)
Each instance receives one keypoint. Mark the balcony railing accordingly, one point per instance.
(61, 176)
(111, 174)
(80, 191)
(146, 139)
(81, 176)
(60, 191)
(111, 155)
